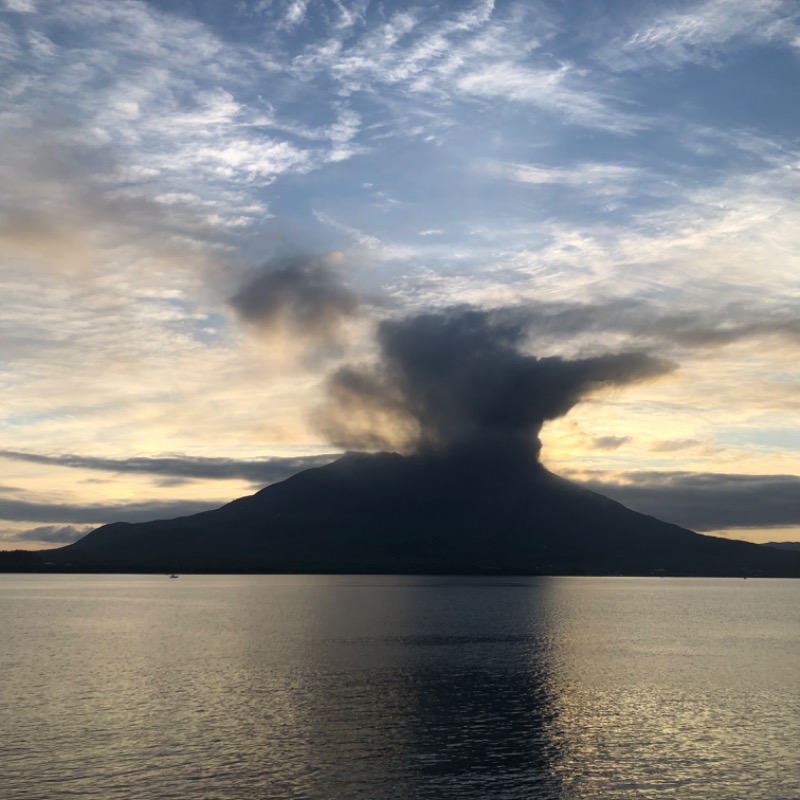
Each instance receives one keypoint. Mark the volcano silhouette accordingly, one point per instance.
(385, 513)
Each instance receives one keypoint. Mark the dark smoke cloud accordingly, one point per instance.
(457, 378)
(305, 295)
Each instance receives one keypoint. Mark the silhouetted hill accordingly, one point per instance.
(387, 513)
(784, 545)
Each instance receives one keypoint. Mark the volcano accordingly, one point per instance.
(454, 514)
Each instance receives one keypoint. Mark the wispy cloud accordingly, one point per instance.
(350, 13)
(702, 31)
(560, 90)
(179, 111)
(696, 328)
(263, 471)
(476, 54)
(590, 177)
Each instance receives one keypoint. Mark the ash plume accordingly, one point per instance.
(305, 295)
(458, 380)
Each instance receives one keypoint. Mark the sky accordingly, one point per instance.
(214, 215)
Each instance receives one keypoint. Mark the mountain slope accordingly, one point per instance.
(387, 513)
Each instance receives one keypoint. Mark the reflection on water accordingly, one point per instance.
(356, 687)
(678, 688)
(442, 691)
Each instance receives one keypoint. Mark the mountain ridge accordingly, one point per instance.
(460, 513)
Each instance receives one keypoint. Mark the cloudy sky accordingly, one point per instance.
(208, 209)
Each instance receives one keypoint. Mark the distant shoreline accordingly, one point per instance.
(8, 569)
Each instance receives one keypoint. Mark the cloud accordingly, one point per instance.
(679, 329)
(303, 295)
(295, 13)
(674, 445)
(697, 33)
(609, 442)
(593, 178)
(403, 50)
(52, 534)
(477, 56)
(38, 238)
(649, 323)
(262, 472)
(707, 501)
(349, 17)
(457, 378)
(21, 6)
(69, 521)
(137, 101)
(99, 514)
(559, 90)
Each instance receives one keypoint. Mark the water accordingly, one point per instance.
(232, 688)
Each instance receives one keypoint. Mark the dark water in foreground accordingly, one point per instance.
(244, 687)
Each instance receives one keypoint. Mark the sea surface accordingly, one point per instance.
(240, 687)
